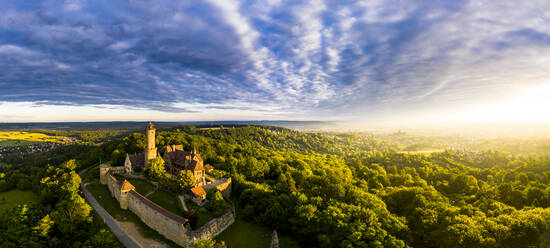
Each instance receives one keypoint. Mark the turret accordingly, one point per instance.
(124, 189)
(103, 170)
(150, 149)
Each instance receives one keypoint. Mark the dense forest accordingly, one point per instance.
(324, 189)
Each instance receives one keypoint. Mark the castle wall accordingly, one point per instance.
(159, 219)
(222, 184)
(114, 186)
(214, 227)
(168, 224)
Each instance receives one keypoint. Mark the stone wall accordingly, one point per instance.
(222, 184)
(166, 223)
(105, 168)
(114, 186)
(159, 219)
(214, 227)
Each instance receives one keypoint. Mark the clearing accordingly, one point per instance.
(244, 234)
(15, 197)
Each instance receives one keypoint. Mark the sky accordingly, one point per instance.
(363, 61)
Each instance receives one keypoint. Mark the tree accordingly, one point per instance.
(186, 179)
(44, 226)
(155, 169)
(69, 215)
(216, 203)
(60, 182)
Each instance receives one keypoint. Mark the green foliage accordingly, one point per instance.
(206, 243)
(16, 197)
(186, 180)
(326, 189)
(217, 174)
(215, 203)
(155, 169)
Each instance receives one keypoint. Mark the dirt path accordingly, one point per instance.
(182, 200)
(152, 191)
(133, 231)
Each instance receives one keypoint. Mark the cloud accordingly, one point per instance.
(299, 59)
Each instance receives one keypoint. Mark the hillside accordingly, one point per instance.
(330, 189)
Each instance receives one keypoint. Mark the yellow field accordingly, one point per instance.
(13, 138)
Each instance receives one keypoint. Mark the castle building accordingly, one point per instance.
(176, 159)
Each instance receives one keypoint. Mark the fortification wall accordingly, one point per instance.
(222, 184)
(163, 221)
(214, 227)
(104, 169)
(225, 188)
(166, 223)
(114, 186)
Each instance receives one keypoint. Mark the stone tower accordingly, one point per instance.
(150, 149)
(103, 170)
(124, 191)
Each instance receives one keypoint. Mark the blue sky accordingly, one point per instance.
(305, 60)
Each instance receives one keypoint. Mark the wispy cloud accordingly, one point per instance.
(302, 59)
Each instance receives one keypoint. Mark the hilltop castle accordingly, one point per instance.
(176, 159)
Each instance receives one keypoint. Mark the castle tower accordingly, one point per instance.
(150, 149)
(124, 189)
(103, 170)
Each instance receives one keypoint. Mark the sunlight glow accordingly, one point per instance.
(532, 105)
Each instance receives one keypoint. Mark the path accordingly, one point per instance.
(152, 191)
(182, 200)
(109, 220)
(124, 238)
(133, 230)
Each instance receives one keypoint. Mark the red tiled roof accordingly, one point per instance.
(137, 159)
(179, 157)
(198, 190)
(126, 186)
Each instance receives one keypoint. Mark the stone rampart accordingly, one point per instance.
(222, 184)
(114, 186)
(214, 227)
(166, 223)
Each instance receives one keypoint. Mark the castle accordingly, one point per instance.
(168, 224)
(176, 159)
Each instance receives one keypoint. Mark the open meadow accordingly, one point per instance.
(18, 138)
(15, 197)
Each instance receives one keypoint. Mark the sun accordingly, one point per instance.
(530, 106)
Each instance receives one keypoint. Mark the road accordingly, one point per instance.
(126, 240)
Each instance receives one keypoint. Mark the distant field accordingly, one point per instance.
(17, 138)
(15, 197)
